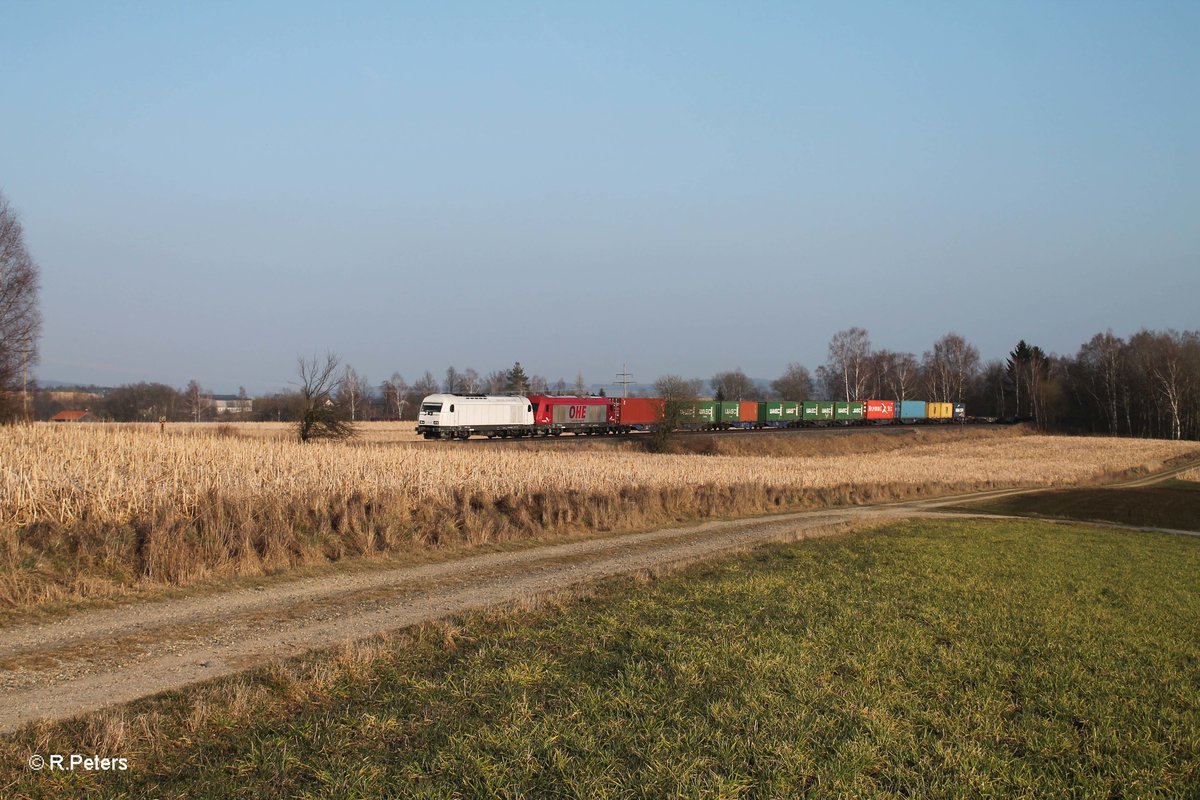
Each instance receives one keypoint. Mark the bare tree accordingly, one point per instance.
(847, 372)
(195, 402)
(538, 385)
(320, 416)
(673, 387)
(794, 384)
(581, 387)
(395, 394)
(495, 382)
(470, 382)
(949, 368)
(676, 393)
(20, 319)
(354, 392)
(453, 382)
(733, 385)
(893, 374)
(1100, 366)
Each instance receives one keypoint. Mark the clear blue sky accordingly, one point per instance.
(212, 189)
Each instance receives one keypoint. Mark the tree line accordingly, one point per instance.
(1145, 386)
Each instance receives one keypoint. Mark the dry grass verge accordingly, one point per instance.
(98, 511)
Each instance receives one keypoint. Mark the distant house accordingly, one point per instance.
(231, 404)
(73, 416)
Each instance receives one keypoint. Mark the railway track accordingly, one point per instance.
(846, 430)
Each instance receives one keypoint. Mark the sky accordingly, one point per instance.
(213, 189)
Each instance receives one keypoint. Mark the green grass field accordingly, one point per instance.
(1173, 504)
(956, 659)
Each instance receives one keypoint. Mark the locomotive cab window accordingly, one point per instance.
(432, 408)
(452, 408)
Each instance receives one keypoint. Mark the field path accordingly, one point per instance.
(96, 658)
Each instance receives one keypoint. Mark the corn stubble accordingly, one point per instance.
(101, 510)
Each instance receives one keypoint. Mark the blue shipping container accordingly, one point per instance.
(912, 409)
(960, 411)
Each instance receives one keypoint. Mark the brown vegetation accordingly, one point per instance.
(98, 510)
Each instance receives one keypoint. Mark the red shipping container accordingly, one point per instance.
(880, 409)
(748, 410)
(639, 410)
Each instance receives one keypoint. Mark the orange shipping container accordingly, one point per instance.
(639, 411)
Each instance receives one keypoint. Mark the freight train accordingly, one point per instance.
(457, 416)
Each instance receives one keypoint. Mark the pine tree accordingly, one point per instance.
(518, 381)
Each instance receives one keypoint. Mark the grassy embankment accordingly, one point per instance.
(1173, 504)
(971, 658)
(98, 512)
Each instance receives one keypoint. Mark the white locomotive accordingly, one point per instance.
(457, 416)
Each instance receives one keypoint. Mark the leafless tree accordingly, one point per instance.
(320, 416)
(794, 384)
(538, 385)
(893, 374)
(470, 382)
(20, 319)
(1100, 367)
(453, 382)
(733, 385)
(949, 368)
(195, 401)
(847, 372)
(495, 382)
(676, 393)
(395, 394)
(354, 392)
(673, 387)
(581, 387)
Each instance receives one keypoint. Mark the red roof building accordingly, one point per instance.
(73, 416)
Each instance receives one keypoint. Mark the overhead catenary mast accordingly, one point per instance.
(624, 379)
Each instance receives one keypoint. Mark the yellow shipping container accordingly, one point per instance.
(941, 410)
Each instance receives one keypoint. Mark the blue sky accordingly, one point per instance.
(212, 189)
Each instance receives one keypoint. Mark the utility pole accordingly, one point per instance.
(624, 379)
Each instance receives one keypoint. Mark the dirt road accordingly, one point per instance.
(96, 658)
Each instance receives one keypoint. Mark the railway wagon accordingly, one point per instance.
(939, 412)
(912, 411)
(748, 413)
(779, 414)
(817, 411)
(638, 413)
(557, 414)
(880, 410)
(457, 416)
(698, 415)
(848, 413)
(729, 414)
(960, 412)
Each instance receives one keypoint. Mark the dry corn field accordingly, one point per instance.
(98, 510)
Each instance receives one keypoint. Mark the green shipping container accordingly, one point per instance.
(785, 411)
(815, 411)
(770, 411)
(698, 414)
(727, 411)
(848, 411)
